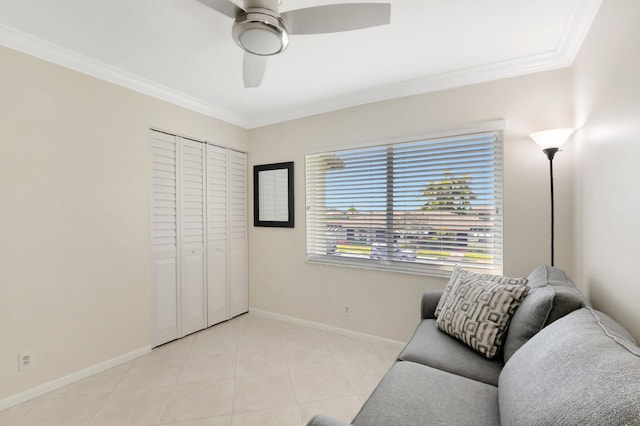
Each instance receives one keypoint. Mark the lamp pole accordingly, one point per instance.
(550, 141)
(551, 152)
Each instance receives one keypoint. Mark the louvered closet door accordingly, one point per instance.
(217, 240)
(164, 238)
(192, 220)
(238, 292)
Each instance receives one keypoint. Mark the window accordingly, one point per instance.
(420, 206)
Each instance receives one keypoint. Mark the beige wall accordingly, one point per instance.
(385, 303)
(607, 105)
(74, 184)
(74, 178)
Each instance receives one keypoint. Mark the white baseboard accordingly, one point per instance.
(70, 378)
(324, 327)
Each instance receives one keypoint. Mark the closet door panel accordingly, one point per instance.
(217, 215)
(198, 236)
(164, 239)
(191, 295)
(237, 231)
(164, 276)
(192, 220)
(238, 303)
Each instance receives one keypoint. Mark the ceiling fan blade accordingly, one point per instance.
(253, 69)
(337, 17)
(226, 7)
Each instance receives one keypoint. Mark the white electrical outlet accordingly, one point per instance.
(25, 360)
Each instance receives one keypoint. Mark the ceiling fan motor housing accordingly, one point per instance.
(260, 32)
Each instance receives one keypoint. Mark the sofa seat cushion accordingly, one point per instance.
(430, 346)
(414, 394)
(582, 369)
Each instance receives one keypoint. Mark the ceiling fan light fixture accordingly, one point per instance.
(260, 32)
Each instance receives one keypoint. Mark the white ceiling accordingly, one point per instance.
(181, 51)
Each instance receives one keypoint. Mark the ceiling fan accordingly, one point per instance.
(262, 31)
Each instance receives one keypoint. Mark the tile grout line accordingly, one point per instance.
(35, 404)
(115, 388)
(235, 369)
(344, 373)
(290, 376)
(173, 387)
(95, 414)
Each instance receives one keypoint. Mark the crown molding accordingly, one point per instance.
(56, 54)
(581, 18)
(450, 80)
(563, 56)
(578, 27)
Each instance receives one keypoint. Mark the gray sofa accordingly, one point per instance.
(562, 363)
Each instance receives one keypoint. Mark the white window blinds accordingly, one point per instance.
(420, 206)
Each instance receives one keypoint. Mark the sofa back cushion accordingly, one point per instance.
(551, 296)
(582, 369)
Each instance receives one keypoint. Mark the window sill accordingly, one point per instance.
(403, 268)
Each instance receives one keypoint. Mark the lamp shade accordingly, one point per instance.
(553, 138)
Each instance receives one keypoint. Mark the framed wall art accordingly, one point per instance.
(273, 195)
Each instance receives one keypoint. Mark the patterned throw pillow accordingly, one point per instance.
(478, 313)
(461, 274)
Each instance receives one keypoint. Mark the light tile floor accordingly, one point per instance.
(250, 370)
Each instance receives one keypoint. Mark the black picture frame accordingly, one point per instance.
(269, 187)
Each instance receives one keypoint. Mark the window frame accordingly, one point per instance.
(497, 126)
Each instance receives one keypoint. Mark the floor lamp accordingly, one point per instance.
(550, 141)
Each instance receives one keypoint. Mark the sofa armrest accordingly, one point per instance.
(320, 420)
(430, 301)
